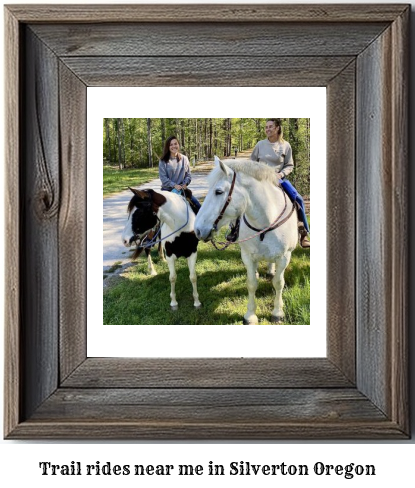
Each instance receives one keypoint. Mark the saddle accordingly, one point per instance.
(188, 196)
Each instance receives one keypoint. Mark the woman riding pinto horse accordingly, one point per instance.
(174, 171)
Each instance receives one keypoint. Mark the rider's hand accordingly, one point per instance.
(184, 187)
(178, 187)
(280, 176)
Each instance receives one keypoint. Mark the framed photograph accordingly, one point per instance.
(139, 293)
(54, 388)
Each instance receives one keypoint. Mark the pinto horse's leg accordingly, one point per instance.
(191, 262)
(151, 269)
(161, 252)
(171, 261)
(278, 282)
(250, 317)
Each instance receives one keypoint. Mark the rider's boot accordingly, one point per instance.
(304, 240)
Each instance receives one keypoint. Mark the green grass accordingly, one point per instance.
(142, 299)
(116, 180)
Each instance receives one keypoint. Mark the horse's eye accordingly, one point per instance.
(218, 192)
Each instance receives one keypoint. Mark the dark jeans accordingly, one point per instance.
(195, 202)
(296, 197)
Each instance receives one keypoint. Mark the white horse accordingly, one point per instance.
(245, 188)
(176, 219)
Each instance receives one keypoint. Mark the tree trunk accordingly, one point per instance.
(108, 141)
(210, 139)
(163, 132)
(149, 144)
(119, 142)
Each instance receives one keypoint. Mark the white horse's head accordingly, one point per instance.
(220, 181)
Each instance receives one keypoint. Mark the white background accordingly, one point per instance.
(207, 341)
(394, 461)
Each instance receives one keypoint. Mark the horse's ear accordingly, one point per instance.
(225, 168)
(139, 193)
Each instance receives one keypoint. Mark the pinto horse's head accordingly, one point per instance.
(142, 215)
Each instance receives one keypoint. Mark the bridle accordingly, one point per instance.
(261, 232)
(225, 206)
(153, 241)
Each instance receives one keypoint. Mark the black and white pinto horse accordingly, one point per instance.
(250, 190)
(146, 209)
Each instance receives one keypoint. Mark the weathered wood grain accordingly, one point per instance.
(210, 405)
(205, 13)
(205, 71)
(39, 216)
(72, 222)
(13, 272)
(374, 184)
(380, 431)
(206, 373)
(209, 39)
(206, 399)
(341, 174)
(399, 225)
(382, 248)
(252, 429)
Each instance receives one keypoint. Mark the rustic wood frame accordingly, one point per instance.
(360, 53)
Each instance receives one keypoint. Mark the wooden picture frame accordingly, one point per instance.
(360, 53)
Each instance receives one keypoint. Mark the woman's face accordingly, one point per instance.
(271, 130)
(174, 146)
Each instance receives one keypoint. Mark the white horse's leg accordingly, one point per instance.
(278, 282)
(250, 317)
(271, 270)
(151, 268)
(171, 261)
(191, 262)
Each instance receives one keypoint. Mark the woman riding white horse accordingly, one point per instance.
(242, 189)
(145, 210)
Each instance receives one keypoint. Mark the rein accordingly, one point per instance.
(259, 232)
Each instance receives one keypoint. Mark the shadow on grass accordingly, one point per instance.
(142, 299)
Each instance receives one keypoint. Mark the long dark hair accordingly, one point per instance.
(166, 150)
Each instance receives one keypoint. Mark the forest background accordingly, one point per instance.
(138, 143)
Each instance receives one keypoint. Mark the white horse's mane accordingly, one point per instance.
(259, 171)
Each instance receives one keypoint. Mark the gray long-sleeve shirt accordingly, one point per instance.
(174, 173)
(276, 154)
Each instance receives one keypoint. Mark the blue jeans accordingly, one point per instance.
(195, 202)
(296, 197)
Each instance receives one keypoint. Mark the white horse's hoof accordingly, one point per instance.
(174, 307)
(198, 306)
(252, 321)
(153, 273)
(277, 319)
